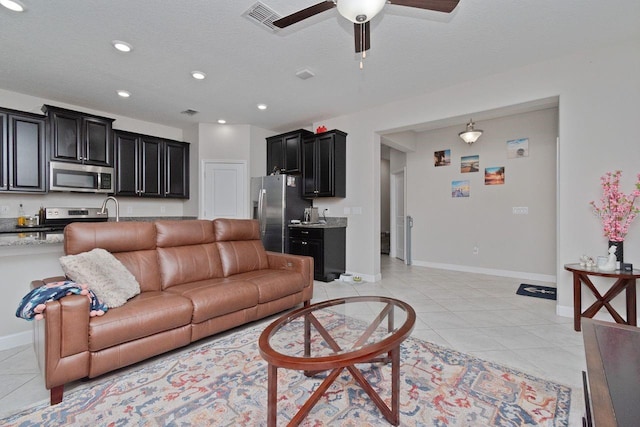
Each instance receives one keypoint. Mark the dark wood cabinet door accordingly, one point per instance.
(324, 165)
(177, 169)
(127, 161)
(152, 173)
(309, 168)
(291, 149)
(66, 129)
(4, 178)
(275, 155)
(97, 140)
(26, 137)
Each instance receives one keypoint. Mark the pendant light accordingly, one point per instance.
(470, 135)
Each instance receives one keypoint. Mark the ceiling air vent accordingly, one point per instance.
(263, 16)
(189, 112)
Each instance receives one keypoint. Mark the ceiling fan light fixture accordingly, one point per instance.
(13, 5)
(360, 11)
(470, 135)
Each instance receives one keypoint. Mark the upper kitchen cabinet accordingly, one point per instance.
(147, 166)
(79, 137)
(176, 170)
(324, 165)
(283, 152)
(22, 151)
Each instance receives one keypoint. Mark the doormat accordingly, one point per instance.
(537, 291)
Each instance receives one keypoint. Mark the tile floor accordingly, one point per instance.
(473, 313)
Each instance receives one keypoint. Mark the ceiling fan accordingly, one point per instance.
(360, 12)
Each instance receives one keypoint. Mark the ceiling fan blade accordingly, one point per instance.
(437, 5)
(304, 14)
(361, 36)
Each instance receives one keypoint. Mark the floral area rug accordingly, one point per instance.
(223, 382)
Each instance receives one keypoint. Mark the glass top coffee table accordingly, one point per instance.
(335, 335)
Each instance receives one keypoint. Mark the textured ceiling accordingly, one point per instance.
(61, 50)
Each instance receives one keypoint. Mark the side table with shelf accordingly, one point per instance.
(624, 281)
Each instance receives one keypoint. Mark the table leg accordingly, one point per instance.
(577, 302)
(632, 316)
(272, 395)
(395, 386)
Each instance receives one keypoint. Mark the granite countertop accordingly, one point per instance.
(10, 235)
(331, 222)
(26, 238)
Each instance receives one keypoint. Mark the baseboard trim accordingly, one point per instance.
(567, 311)
(548, 278)
(16, 340)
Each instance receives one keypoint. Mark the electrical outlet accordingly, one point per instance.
(163, 209)
(476, 250)
(129, 210)
(4, 210)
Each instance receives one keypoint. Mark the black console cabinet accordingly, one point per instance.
(325, 245)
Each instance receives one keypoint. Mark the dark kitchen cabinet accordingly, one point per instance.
(324, 165)
(325, 245)
(79, 137)
(284, 152)
(176, 170)
(22, 152)
(148, 166)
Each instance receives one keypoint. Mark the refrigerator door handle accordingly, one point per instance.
(261, 219)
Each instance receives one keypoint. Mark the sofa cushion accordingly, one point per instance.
(273, 284)
(236, 229)
(112, 283)
(217, 297)
(144, 267)
(242, 256)
(185, 264)
(111, 236)
(183, 233)
(144, 315)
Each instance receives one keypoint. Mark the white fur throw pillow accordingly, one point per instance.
(112, 283)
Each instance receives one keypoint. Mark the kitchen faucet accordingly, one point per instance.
(104, 206)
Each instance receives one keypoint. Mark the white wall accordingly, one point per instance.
(598, 92)
(447, 229)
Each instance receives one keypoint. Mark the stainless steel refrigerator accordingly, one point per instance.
(276, 200)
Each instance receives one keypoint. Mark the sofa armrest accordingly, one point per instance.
(300, 263)
(61, 339)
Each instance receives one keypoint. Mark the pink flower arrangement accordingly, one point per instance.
(616, 210)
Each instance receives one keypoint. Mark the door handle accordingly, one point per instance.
(261, 221)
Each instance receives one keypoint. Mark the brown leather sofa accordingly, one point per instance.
(197, 278)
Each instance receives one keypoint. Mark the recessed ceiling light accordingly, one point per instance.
(12, 5)
(198, 75)
(262, 106)
(222, 121)
(120, 45)
(123, 93)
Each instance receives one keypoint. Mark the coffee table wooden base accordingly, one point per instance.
(391, 414)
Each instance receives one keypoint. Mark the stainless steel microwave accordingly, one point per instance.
(83, 178)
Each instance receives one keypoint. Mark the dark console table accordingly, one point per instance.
(613, 366)
(624, 281)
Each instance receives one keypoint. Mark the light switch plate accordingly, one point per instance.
(520, 210)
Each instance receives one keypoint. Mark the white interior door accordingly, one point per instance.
(398, 215)
(224, 189)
